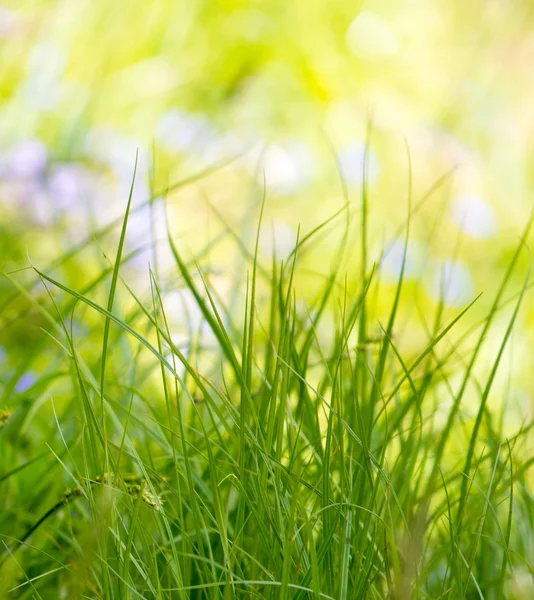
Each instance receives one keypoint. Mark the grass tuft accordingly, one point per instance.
(306, 446)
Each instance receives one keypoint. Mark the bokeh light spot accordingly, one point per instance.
(474, 215)
(370, 37)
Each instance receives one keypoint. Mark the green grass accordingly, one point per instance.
(266, 459)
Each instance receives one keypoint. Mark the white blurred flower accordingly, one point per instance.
(224, 147)
(42, 210)
(452, 283)
(41, 87)
(145, 219)
(370, 37)
(474, 215)
(287, 167)
(280, 240)
(179, 131)
(109, 147)
(140, 191)
(41, 92)
(185, 319)
(438, 142)
(392, 259)
(351, 163)
(47, 59)
(7, 21)
(147, 236)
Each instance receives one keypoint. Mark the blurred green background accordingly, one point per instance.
(287, 89)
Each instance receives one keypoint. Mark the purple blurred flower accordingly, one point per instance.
(25, 160)
(142, 223)
(67, 184)
(25, 382)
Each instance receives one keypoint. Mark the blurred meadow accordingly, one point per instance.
(401, 114)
